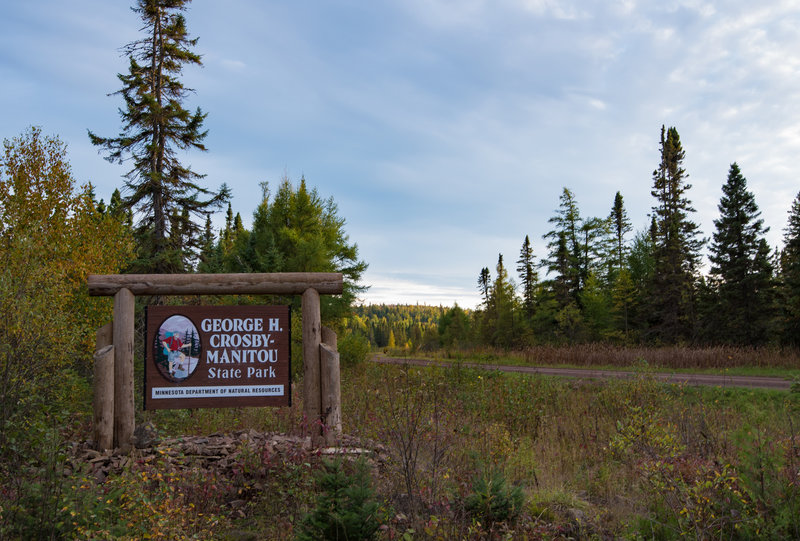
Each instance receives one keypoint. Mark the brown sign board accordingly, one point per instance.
(217, 356)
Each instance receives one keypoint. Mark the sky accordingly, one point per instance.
(444, 130)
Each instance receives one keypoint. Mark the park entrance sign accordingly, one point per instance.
(230, 343)
(217, 356)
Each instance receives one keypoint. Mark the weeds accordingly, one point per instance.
(414, 422)
(612, 460)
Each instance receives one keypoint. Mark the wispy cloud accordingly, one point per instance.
(444, 129)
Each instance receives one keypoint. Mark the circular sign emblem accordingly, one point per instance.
(177, 348)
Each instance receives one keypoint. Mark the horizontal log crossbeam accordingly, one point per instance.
(118, 387)
(277, 283)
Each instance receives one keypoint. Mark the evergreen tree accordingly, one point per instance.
(790, 277)
(502, 305)
(560, 265)
(621, 225)
(564, 245)
(677, 247)
(642, 268)
(623, 296)
(208, 262)
(156, 129)
(117, 210)
(596, 250)
(454, 327)
(577, 248)
(528, 277)
(597, 309)
(484, 284)
(346, 508)
(740, 266)
(298, 231)
(620, 280)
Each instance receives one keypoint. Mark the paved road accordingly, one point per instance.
(756, 382)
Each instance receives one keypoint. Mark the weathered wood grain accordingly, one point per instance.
(277, 283)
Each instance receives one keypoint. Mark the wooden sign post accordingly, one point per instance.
(321, 394)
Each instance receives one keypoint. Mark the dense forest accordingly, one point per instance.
(598, 281)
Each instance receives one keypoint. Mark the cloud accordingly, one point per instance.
(445, 129)
(391, 290)
(556, 9)
(233, 65)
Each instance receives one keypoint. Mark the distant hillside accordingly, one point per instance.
(394, 325)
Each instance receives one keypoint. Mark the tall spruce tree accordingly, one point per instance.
(677, 246)
(560, 265)
(502, 305)
(155, 129)
(740, 266)
(298, 231)
(790, 277)
(565, 248)
(642, 267)
(620, 225)
(485, 284)
(620, 281)
(596, 250)
(528, 276)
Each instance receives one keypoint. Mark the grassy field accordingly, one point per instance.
(466, 454)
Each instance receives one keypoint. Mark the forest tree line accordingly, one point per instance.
(599, 281)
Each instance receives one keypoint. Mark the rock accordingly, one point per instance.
(145, 436)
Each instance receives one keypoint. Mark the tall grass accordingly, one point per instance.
(628, 457)
(471, 454)
(667, 357)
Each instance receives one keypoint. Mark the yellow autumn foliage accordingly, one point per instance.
(51, 237)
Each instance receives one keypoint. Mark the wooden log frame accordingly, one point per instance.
(312, 337)
(319, 345)
(124, 409)
(104, 389)
(330, 388)
(104, 398)
(279, 283)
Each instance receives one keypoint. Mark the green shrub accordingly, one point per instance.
(353, 349)
(493, 500)
(346, 506)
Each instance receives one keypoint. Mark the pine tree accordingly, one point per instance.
(564, 245)
(596, 250)
(502, 304)
(790, 277)
(484, 284)
(156, 128)
(620, 281)
(740, 267)
(528, 277)
(597, 308)
(642, 267)
(208, 262)
(621, 225)
(346, 507)
(298, 231)
(677, 248)
(560, 265)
